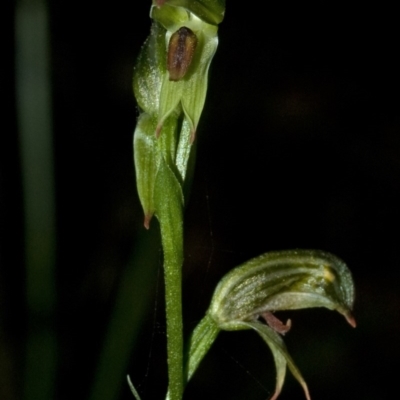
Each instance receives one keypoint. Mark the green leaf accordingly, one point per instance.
(147, 161)
(149, 153)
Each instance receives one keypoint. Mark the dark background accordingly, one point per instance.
(298, 147)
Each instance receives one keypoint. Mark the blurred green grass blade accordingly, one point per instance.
(133, 300)
(34, 111)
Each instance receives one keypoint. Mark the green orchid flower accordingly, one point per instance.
(191, 39)
(170, 85)
(275, 281)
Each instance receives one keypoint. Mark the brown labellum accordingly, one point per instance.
(181, 48)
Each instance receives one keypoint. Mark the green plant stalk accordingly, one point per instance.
(200, 342)
(170, 84)
(173, 297)
(171, 95)
(169, 204)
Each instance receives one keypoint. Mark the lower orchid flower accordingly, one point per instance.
(275, 281)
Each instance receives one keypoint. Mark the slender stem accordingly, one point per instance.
(200, 342)
(173, 295)
(161, 162)
(170, 214)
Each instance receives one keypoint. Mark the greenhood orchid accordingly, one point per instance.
(275, 281)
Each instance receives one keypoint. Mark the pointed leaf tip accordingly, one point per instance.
(192, 136)
(147, 219)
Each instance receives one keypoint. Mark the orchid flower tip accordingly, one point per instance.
(147, 219)
(276, 394)
(350, 319)
(307, 393)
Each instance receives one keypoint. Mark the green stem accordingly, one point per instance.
(173, 296)
(169, 205)
(200, 342)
